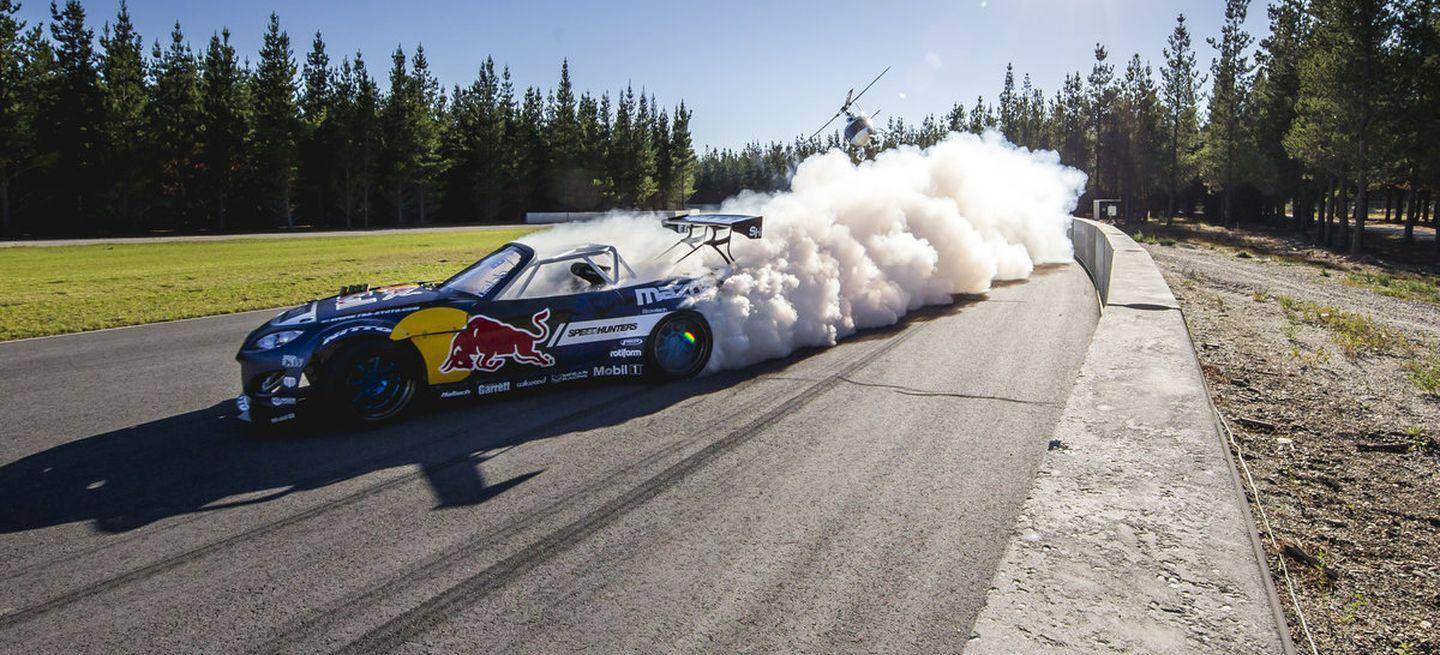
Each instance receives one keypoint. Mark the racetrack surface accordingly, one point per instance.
(855, 498)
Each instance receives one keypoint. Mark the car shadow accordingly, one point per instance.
(205, 460)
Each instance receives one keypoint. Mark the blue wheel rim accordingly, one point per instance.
(377, 386)
(678, 345)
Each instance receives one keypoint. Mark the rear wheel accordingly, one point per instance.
(369, 381)
(679, 346)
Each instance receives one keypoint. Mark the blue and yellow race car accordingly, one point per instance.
(366, 354)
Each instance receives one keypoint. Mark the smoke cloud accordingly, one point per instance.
(851, 247)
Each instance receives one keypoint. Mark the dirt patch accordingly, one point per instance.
(1332, 388)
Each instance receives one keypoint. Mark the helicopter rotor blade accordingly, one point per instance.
(827, 124)
(872, 83)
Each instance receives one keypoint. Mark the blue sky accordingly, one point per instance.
(749, 70)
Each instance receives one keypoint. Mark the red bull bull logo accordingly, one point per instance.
(485, 344)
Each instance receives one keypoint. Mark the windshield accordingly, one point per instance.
(482, 276)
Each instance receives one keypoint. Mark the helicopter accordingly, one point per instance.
(859, 129)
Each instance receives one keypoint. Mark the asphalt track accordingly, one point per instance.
(851, 499)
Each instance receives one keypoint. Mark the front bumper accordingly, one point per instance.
(273, 386)
(270, 409)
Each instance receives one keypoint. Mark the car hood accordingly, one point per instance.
(355, 304)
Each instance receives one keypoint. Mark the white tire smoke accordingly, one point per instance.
(851, 247)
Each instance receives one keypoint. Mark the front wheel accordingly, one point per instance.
(679, 346)
(370, 381)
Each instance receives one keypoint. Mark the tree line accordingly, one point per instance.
(121, 139)
(1334, 114)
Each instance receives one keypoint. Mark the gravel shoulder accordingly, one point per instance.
(1329, 387)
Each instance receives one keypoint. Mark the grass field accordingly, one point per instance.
(59, 289)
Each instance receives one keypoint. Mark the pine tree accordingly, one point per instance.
(340, 116)
(317, 77)
(72, 123)
(955, 120)
(1139, 137)
(317, 135)
(1277, 86)
(1426, 102)
(528, 147)
(1345, 84)
(430, 106)
(591, 157)
(365, 135)
(21, 152)
(222, 104)
(473, 143)
(122, 69)
(1070, 121)
(605, 179)
(776, 167)
(643, 150)
(1100, 99)
(357, 145)
(276, 124)
(931, 132)
(1180, 122)
(400, 152)
(621, 164)
(1228, 144)
(493, 160)
(1026, 124)
(512, 169)
(1009, 107)
(1039, 126)
(752, 168)
(173, 119)
(980, 116)
(682, 159)
(664, 163)
(1415, 120)
(569, 182)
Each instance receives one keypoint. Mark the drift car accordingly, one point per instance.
(366, 354)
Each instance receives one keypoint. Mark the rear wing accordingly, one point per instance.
(712, 230)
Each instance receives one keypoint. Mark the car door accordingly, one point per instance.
(585, 328)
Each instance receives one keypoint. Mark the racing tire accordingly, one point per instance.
(369, 382)
(679, 346)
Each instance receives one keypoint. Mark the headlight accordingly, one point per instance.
(277, 339)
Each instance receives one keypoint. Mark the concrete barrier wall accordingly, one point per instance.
(1094, 252)
(1136, 537)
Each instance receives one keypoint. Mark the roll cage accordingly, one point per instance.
(591, 254)
(697, 230)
